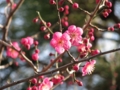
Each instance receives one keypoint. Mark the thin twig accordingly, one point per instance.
(6, 65)
(86, 12)
(6, 10)
(71, 56)
(56, 61)
(59, 15)
(29, 62)
(51, 64)
(44, 22)
(93, 26)
(92, 15)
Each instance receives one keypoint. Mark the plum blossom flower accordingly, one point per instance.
(60, 42)
(81, 48)
(27, 42)
(46, 84)
(95, 52)
(58, 79)
(75, 34)
(35, 56)
(11, 52)
(88, 68)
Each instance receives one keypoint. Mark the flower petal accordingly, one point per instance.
(57, 35)
(59, 49)
(53, 43)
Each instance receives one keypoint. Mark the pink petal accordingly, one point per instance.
(93, 62)
(14, 54)
(59, 49)
(79, 30)
(65, 36)
(77, 41)
(30, 40)
(51, 84)
(24, 41)
(46, 80)
(53, 43)
(57, 35)
(15, 44)
(71, 28)
(67, 45)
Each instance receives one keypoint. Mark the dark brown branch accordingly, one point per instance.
(58, 69)
(6, 26)
(29, 62)
(99, 29)
(58, 15)
(44, 22)
(7, 65)
(71, 56)
(92, 15)
(51, 64)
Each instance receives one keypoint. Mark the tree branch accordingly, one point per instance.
(6, 26)
(93, 14)
(58, 15)
(7, 65)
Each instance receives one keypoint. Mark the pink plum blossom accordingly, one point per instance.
(76, 67)
(30, 40)
(75, 5)
(27, 42)
(58, 79)
(81, 48)
(11, 52)
(88, 68)
(95, 52)
(60, 42)
(75, 34)
(35, 56)
(46, 84)
(79, 83)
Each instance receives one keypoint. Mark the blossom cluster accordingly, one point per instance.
(46, 84)
(62, 42)
(27, 43)
(73, 37)
(11, 52)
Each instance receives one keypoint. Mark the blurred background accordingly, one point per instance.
(107, 70)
